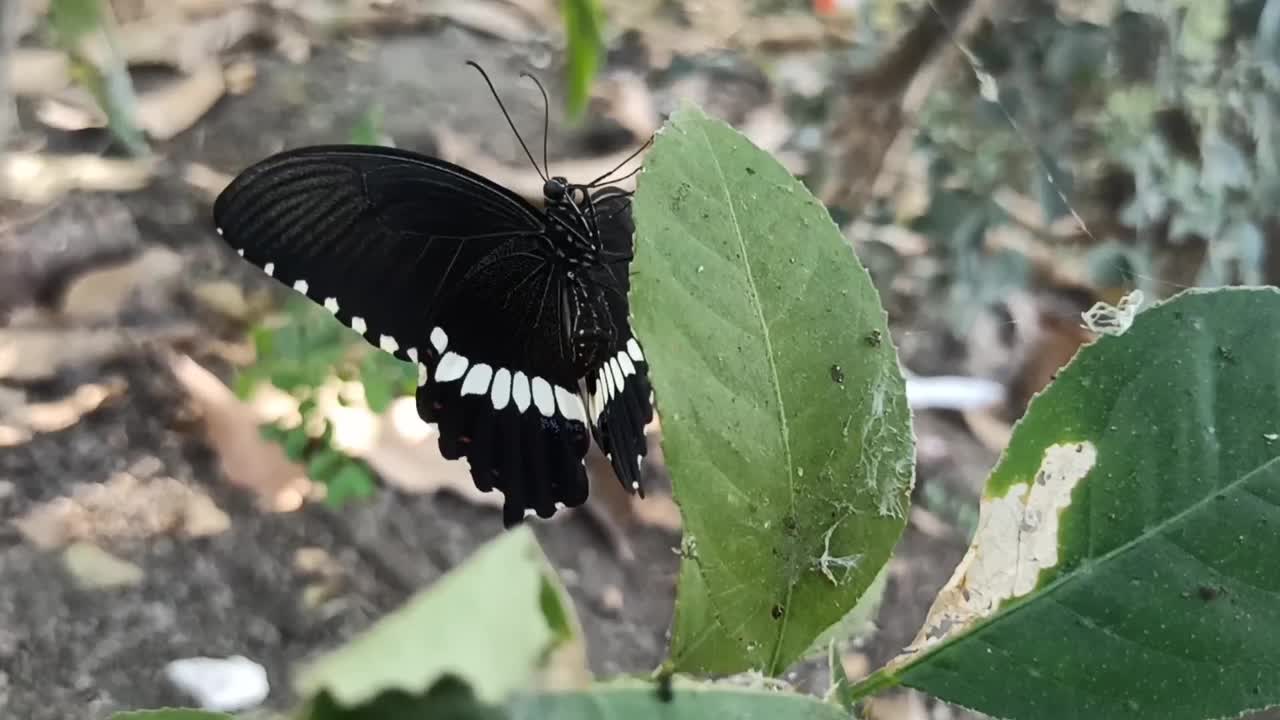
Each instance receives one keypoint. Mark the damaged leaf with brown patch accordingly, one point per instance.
(1148, 472)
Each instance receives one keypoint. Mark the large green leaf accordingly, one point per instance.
(784, 418)
(490, 624)
(1125, 563)
(634, 700)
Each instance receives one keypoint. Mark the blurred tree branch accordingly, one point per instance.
(877, 104)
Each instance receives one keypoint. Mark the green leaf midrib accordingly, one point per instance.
(1005, 612)
(773, 373)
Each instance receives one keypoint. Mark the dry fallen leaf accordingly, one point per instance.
(905, 705)
(93, 568)
(123, 507)
(248, 460)
(103, 292)
(34, 354)
(167, 111)
(208, 181)
(19, 423)
(37, 178)
(224, 298)
(37, 71)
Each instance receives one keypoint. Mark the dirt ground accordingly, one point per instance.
(68, 652)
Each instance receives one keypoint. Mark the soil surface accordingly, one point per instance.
(67, 652)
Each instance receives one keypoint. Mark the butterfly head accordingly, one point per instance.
(555, 189)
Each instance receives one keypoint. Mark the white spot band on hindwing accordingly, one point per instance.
(452, 366)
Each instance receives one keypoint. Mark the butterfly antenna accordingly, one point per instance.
(630, 157)
(546, 120)
(507, 115)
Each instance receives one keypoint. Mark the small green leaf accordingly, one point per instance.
(583, 21)
(273, 433)
(485, 623)
(1124, 565)
(325, 464)
(170, 714)
(785, 422)
(841, 692)
(382, 380)
(636, 700)
(352, 481)
(295, 443)
(855, 623)
(368, 129)
(73, 22)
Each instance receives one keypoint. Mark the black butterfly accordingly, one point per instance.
(517, 317)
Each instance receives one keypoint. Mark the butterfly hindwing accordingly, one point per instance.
(442, 268)
(619, 395)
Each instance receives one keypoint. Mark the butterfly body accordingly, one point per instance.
(516, 316)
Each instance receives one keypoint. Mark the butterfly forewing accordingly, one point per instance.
(443, 268)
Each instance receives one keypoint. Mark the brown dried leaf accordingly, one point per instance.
(22, 423)
(168, 111)
(93, 568)
(38, 178)
(34, 354)
(247, 459)
(123, 507)
(208, 181)
(38, 71)
(224, 298)
(103, 292)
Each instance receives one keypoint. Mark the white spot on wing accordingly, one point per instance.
(412, 354)
(543, 398)
(331, 304)
(477, 382)
(633, 349)
(220, 232)
(617, 373)
(628, 369)
(270, 269)
(301, 286)
(570, 405)
(422, 374)
(439, 340)
(358, 324)
(451, 367)
(520, 391)
(606, 378)
(501, 393)
(240, 252)
(388, 343)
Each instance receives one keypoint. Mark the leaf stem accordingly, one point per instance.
(878, 681)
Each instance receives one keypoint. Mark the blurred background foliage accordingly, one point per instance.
(1118, 143)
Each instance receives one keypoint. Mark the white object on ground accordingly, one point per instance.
(220, 684)
(950, 392)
